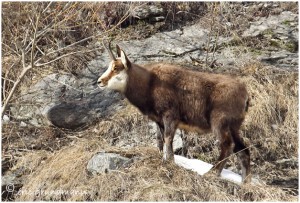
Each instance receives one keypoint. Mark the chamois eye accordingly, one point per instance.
(116, 69)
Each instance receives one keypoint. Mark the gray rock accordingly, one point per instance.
(23, 124)
(5, 119)
(144, 12)
(106, 162)
(291, 162)
(278, 25)
(177, 141)
(281, 59)
(9, 179)
(281, 30)
(274, 127)
(152, 128)
(65, 101)
(157, 19)
(70, 102)
(10, 183)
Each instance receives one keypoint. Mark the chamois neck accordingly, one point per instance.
(138, 90)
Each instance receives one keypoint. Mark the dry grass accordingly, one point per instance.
(274, 102)
(272, 121)
(146, 180)
(56, 161)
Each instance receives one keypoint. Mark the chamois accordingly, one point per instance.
(175, 97)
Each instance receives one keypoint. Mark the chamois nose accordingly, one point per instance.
(99, 82)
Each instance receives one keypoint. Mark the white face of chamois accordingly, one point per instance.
(115, 77)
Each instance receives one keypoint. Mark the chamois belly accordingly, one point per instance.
(193, 128)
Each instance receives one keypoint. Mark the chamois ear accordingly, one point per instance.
(118, 51)
(121, 54)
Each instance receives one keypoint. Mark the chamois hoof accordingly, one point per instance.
(247, 180)
(167, 159)
(212, 172)
(160, 151)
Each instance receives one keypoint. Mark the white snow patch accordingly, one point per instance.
(202, 167)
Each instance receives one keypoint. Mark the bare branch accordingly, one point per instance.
(73, 44)
(39, 50)
(47, 7)
(25, 38)
(62, 56)
(24, 71)
(31, 44)
(6, 79)
(14, 51)
(14, 88)
(34, 41)
(23, 59)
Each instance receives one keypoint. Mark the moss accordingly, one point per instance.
(275, 43)
(286, 22)
(291, 46)
(256, 51)
(268, 32)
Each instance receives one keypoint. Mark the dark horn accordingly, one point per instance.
(109, 50)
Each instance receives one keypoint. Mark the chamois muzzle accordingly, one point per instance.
(101, 82)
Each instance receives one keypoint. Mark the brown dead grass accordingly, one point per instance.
(146, 180)
(274, 102)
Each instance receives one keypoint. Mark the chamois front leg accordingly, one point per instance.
(170, 125)
(160, 137)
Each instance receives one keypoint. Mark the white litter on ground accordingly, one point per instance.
(202, 167)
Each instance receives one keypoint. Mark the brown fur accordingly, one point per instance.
(174, 98)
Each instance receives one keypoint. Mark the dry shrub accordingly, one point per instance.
(30, 161)
(272, 120)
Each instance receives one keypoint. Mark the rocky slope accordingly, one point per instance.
(64, 124)
(80, 102)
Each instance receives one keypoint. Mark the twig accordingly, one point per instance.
(47, 28)
(34, 41)
(14, 51)
(47, 7)
(232, 155)
(12, 91)
(31, 46)
(62, 56)
(6, 79)
(39, 50)
(23, 73)
(210, 33)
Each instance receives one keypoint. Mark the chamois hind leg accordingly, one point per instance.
(226, 145)
(185, 143)
(170, 125)
(243, 155)
(159, 137)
